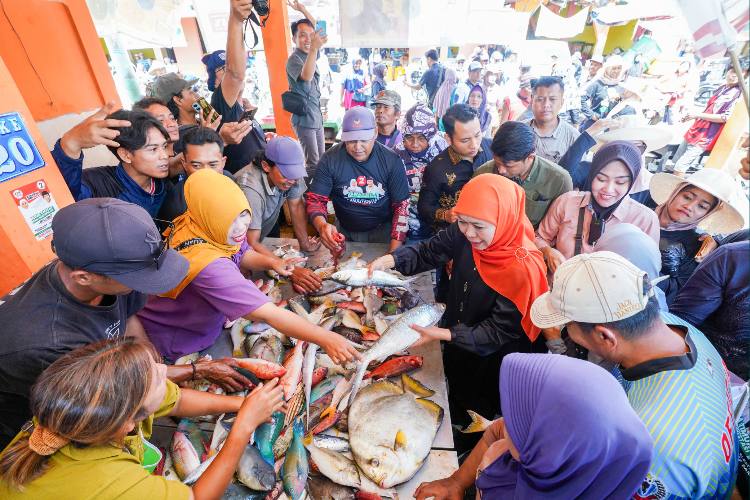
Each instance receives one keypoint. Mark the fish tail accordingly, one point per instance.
(478, 423)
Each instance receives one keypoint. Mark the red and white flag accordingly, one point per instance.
(715, 24)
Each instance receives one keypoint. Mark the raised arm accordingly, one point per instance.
(234, 75)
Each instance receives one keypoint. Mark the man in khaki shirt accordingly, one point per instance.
(514, 157)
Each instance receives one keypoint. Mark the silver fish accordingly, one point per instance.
(308, 365)
(359, 277)
(396, 338)
(254, 472)
(332, 443)
(341, 470)
(391, 429)
(373, 303)
(328, 286)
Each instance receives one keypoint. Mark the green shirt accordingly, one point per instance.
(103, 472)
(545, 182)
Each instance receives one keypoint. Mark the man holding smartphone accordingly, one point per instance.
(304, 79)
(226, 78)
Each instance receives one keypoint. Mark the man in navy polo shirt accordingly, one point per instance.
(367, 184)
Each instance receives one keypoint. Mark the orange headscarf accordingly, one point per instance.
(213, 203)
(511, 265)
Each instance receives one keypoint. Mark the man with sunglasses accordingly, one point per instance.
(110, 255)
(554, 136)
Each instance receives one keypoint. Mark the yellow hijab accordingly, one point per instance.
(213, 203)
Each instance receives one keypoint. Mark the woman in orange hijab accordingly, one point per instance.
(497, 274)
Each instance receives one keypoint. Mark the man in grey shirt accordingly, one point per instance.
(554, 136)
(304, 80)
(275, 176)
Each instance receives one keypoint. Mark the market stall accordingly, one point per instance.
(442, 459)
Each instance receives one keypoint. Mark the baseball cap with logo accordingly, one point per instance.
(287, 154)
(358, 125)
(475, 66)
(389, 98)
(214, 61)
(167, 86)
(599, 287)
(119, 240)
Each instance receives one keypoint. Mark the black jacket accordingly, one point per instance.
(481, 320)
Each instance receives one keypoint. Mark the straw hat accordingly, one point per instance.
(726, 219)
(654, 136)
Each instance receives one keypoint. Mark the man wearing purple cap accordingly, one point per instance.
(367, 184)
(226, 78)
(275, 176)
(110, 255)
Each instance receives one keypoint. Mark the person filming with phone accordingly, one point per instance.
(304, 84)
(226, 79)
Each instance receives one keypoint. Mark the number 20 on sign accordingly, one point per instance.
(18, 153)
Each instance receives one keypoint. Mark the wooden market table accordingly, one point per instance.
(442, 460)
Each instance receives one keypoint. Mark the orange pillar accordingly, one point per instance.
(22, 252)
(52, 50)
(51, 65)
(277, 42)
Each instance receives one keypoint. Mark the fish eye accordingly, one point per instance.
(374, 462)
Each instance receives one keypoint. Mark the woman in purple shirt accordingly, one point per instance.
(211, 235)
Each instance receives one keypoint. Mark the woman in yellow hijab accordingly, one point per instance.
(211, 235)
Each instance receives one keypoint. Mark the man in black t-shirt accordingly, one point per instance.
(110, 255)
(226, 78)
(367, 184)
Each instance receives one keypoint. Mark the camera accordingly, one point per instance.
(261, 7)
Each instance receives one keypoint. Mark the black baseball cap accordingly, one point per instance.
(119, 240)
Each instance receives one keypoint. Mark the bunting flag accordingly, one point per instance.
(712, 31)
(550, 25)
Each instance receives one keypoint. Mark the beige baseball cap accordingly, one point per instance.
(599, 287)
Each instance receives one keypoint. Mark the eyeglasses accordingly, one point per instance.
(157, 260)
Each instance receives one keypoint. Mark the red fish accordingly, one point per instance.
(396, 366)
(358, 307)
(365, 495)
(318, 375)
(261, 368)
(326, 423)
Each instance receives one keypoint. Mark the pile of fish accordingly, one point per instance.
(353, 431)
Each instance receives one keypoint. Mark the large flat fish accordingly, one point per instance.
(391, 429)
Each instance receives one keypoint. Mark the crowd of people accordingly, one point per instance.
(579, 285)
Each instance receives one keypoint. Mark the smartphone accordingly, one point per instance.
(321, 26)
(248, 115)
(204, 108)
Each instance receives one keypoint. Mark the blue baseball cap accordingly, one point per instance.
(119, 240)
(358, 125)
(214, 61)
(287, 154)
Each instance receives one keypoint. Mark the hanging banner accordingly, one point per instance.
(550, 25)
(145, 23)
(712, 32)
(410, 23)
(37, 206)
